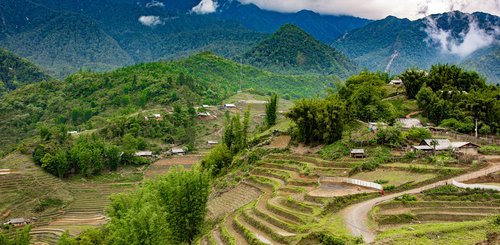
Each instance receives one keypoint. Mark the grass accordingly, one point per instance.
(469, 232)
(394, 177)
(418, 165)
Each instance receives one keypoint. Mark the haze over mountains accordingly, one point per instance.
(65, 36)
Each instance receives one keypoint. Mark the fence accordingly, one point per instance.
(492, 140)
(475, 186)
(353, 182)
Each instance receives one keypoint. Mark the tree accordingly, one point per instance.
(246, 127)
(184, 195)
(318, 120)
(219, 158)
(413, 80)
(21, 237)
(390, 136)
(271, 110)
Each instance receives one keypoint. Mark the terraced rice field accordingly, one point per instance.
(280, 212)
(82, 201)
(162, 166)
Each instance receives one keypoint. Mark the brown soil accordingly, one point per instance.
(280, 142)
(490, 178)
(302, 149)
(328, 189)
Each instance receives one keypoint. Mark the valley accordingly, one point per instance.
(248, 122)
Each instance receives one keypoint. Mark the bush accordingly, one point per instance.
(381, 181)
(496, 220)
(418, 134)
(334, 151)
(389, 187)
(406, 198)
(490, 149)
(390, 136)
(47, 202)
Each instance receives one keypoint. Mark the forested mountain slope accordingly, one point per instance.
(395, 44)
(16, 71)
(293, 50)
(86, 100)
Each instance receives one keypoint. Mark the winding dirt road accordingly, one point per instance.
(356, 216)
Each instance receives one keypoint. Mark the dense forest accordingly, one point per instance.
(293, 50)
(16, 72)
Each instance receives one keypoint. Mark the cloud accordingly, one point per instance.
(150, 20)
(467, 42)
(205, 7)
(378, 9)
(154, 3)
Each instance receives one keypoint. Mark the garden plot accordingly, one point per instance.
(332, 189)
(279, 142)
(162, 166)
(394, 177)
(232, 200)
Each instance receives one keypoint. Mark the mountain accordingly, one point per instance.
(395, 44)
(16, 72)
(293, 50)
(64, 36)
(325, 28)
(61, 42)
(86, 100)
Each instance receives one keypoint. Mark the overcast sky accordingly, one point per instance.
(378, 9)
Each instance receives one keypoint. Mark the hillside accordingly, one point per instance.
(63, 37)
(16, 72)
(293, 50)
(88, 100)
(416, 43)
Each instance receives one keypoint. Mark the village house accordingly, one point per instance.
(428, 145)
(178, 151)
(408, 123)
(358, 153)
(144, 154)
(229, 106)
(374, 126)
(204, 114)
(17, 222)
(396, 82)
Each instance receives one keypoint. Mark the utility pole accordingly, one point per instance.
(241, 72)
(476, 127)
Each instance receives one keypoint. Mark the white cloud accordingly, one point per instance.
(378, 9)
(154, 3)
(470, 40)
(150, 20)
(205, 7)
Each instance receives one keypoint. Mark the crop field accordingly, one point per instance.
(59, 205)
(394, 177)
(163, 165)
(283, 211)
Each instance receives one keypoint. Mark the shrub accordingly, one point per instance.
(406, 198)
(334, 151)
(496, 220)
(47, 202)
(418, 134)
(381, 181)
(389, 187)
(490, 149)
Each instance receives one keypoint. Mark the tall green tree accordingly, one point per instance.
(413, 80)
(184, 194)
(318, 120)
(271, 111)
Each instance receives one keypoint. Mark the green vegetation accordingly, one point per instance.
(364, 93)
(16, 72)
(89, 100)
(452, 97)
(490, 149)
(292, 50)
(271, 110)
(318, 120)
(170, 210)
(18, 237)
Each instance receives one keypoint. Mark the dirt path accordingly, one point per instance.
(412, 114)
(355, 216)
